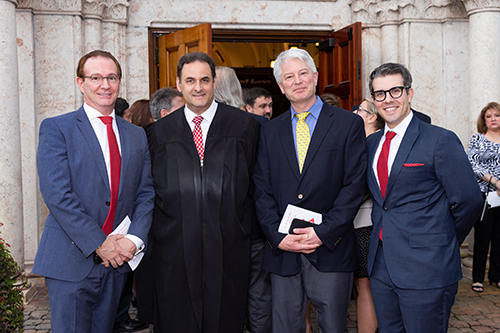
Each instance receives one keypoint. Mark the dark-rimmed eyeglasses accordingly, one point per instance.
(97, 79)
(395, 93)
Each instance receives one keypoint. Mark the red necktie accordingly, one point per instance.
(198, 136)
(382, 170)
(115, 166)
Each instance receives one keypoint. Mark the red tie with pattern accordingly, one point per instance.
(198, 136)
(382, 169)
(115, 166)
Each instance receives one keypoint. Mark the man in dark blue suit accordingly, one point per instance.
(315, 263)
(425, 201)
(94, 170)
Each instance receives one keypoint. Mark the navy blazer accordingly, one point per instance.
(332, 183)
(431, 203)
(75, 187)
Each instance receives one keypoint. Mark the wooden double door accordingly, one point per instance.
(339, 62)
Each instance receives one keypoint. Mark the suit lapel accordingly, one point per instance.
(325, 121)
(371, 177)
(93, 144)
(286, 138)
(411, 135)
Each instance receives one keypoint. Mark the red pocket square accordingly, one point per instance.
(409, 165)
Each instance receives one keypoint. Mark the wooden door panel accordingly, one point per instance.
(173, 46)
(340, 65)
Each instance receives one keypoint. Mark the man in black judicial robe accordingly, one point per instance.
(200, 237)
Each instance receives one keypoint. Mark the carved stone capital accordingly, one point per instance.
(13, 1)
(51, 5)
(478, 5)
(107, 10)
(93, 8)
(378, 12)
(116, 11)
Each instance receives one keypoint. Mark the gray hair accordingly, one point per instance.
(228, 89)
(372, 109)
(292, 54)
(162, 99)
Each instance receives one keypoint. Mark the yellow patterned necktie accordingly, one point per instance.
(303, 138)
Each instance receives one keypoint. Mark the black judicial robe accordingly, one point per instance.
(200, 236)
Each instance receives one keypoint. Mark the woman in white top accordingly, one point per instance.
(484, 156)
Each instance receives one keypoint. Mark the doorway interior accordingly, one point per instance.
(251, 54)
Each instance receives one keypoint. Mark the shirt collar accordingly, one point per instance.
(93, 113)
(400, 128)
(315, 109)
(207, 115)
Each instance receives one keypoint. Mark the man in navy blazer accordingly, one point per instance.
(83, 266)
(315, 263)
(431, 202)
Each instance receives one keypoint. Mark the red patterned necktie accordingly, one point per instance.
(115, 166)
(198, 136)
(382, 169)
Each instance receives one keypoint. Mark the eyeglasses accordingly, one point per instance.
(361, 109)
(97, 79)
(395, 93)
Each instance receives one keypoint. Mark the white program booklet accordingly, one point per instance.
(493, 199)
(122, 229)
(294, 212)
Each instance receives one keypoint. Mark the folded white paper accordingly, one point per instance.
(294, 212)
(493, 199)
(122, 229)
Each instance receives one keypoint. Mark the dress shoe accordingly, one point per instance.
(130, 325)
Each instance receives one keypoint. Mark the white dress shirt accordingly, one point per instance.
(102, 136)
(208, 116)
(400, 130)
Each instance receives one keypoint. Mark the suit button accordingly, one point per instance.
(300, 196)
(108, 203)
(385, 209)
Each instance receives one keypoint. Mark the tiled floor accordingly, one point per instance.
(472, 312)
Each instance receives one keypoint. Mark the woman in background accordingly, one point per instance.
(140, 114)
(367, 321)
(228, 89)
(484, 156)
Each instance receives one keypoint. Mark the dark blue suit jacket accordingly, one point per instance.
(432, 201)
(256, 229)
(75, 187)
(332, 183)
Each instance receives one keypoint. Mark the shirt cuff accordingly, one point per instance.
(139, 244)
